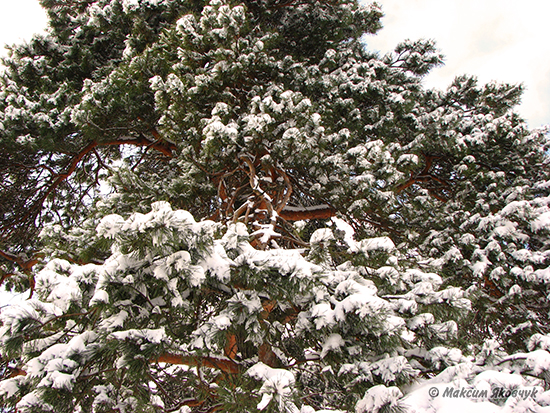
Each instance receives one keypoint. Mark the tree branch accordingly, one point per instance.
(226, 365)
(299, 214)
(25, 264)
(34, 207)
(425, 176)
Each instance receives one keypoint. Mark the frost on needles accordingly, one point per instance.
(237, 207)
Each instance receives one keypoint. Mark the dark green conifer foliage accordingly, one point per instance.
(236, 206)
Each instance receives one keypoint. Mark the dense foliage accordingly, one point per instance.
(236, 206)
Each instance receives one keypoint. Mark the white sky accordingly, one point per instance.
(502, 40)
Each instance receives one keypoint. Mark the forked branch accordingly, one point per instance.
(28, 216)
(25, 264)
(425, 176)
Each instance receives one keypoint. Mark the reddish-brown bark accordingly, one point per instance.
(299, 215)
(163, 147)
(427, 177)
(225, 365)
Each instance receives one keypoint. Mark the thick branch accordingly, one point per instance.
(26, 265)
(16, 371)
(288, 192)
(32, 211)
(163, 147)
(266, 202)
(299, 214)
(225, 365)
(425, 176)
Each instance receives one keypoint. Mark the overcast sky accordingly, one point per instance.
(502, 40)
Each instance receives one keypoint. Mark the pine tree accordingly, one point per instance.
(236, 206)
